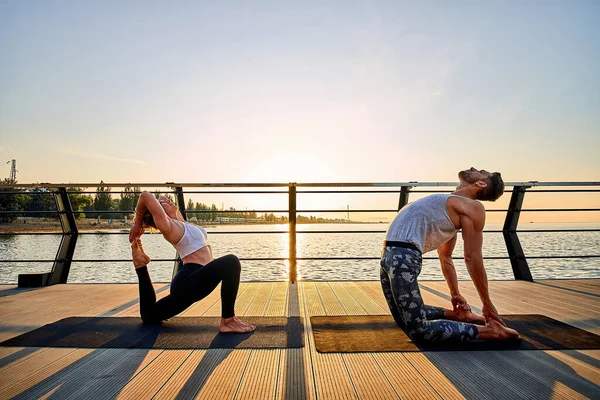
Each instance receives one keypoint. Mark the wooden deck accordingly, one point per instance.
(296, 373)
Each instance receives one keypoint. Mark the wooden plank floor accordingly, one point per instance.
(296, 373)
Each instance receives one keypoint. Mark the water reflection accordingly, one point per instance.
(110, 247)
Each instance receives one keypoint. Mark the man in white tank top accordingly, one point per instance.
(431, 223)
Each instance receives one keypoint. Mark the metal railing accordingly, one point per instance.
(67, 216)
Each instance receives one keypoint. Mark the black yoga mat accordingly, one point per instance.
(379, 333)
(176, 333)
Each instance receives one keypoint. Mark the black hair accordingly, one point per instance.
(148, 219)
(494, 188)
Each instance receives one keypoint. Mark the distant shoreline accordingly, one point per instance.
(53, 226)
(104, 225)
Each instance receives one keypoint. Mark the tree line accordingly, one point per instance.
(41, 203)
(85, 205)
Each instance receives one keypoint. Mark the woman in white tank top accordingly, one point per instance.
(200, 273)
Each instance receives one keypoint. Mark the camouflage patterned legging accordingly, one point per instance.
(400, 268)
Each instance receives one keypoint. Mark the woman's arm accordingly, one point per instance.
(162, 221)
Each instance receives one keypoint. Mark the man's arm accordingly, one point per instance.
(472, 223)
(460, 309)
(445, 256)
(447, 265)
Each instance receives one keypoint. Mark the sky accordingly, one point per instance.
(310, 91)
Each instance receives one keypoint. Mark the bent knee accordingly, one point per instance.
(231, 258)
(233, 262)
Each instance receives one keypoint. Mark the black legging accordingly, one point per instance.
(192, 283)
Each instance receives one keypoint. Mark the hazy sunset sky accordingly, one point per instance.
(306, 91)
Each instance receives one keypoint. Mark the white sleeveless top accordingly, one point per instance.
(424, 223)
(194, 238)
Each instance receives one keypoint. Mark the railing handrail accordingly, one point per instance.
(306, 184)
(518, 260)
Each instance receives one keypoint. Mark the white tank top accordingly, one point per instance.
(194, 238)
(425, 223)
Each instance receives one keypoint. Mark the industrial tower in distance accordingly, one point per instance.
(13, 169)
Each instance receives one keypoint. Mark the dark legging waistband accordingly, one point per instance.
(191, 265)
(406, 245)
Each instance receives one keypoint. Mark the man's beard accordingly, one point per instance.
(467, 176)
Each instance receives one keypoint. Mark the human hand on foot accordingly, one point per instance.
(490, 313)
(459, 301)
(463, 311)
(140, 259)
(136, 231)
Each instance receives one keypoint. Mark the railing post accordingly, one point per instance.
(181, 205)
(404, 192)
(66, 249)
(513, 245)
(292, 230)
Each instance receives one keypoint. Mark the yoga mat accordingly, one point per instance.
(176, 333)
(379, 333)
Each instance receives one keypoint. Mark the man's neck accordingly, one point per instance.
(466, 190)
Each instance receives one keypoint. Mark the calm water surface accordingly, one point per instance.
(110, 246)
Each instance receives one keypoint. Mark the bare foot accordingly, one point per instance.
(496, 331)
(235, 325)
(505, 332)
(462, 314)
(140, 259)
(469, 316)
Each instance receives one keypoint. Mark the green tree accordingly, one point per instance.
(213, 214)
(200, 216)
(103, 199)
(269, 217)
(11, 202)
(301, 219)
(190, 207)
(231, 214)
(202, 207)
(79, 201)
(41, 200)
(129, 199)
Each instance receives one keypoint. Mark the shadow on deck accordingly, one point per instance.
(296, 373)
